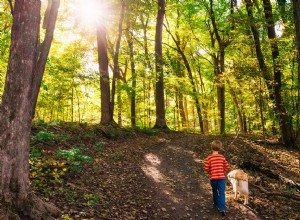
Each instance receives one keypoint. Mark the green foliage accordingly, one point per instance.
(41, 123)
(73, 158)
(45, 171)
(70, 195)
(48, 136)
(148, 131)
(290, 190)
(91, 199)
(45, 136)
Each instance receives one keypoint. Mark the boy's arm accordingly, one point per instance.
(226, 166)
(206, 165)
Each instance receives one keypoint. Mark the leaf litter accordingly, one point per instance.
(161, 176)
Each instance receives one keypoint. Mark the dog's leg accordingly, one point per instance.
(235, 189)
(246, 200)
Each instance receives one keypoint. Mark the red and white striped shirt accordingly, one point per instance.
(216, 165)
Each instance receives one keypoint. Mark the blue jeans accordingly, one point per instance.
(218, 188)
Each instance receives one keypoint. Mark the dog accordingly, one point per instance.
(239, 181)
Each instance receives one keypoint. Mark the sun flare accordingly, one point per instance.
(91, 12)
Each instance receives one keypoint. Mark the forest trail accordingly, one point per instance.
(180, 186)
(154, 176)
(158, 177)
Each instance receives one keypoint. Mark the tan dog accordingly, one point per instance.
(239, 181)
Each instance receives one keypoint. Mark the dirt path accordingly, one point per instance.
(159, 177)
(156, 176)
(181, 190)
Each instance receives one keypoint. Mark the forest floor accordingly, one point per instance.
(157, 175)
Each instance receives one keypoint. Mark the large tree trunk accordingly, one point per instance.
(26, 66)
(159, 95)
(284, 118)
(104, 76)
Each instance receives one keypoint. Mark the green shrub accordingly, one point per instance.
(74, 158)
(91, 199)
(45, 136)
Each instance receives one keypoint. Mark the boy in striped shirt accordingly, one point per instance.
(216, 166)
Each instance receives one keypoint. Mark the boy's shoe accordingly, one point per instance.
(223, 213)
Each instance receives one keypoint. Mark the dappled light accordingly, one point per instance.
(152, 159)
(150, 168)
(153, 173)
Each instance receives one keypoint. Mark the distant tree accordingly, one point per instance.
(296, 6)
(222, 38)
(285, 121)
(116, 68)
(26, 67)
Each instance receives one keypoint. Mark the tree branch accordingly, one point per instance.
(11, 6)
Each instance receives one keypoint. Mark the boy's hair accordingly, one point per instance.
(216, 145)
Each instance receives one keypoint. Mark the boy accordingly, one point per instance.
(216, 165)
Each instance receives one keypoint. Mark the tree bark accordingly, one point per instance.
(219, 66)
(159, 95)
(147, 80)
(273, 85)
(284, 118)
(104, 76)
(116, 69)
(129, 38)
(296, 5)
(26, 66)
(237, 106)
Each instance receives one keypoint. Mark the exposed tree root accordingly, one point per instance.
(289, 182)
(286, 195)
(113, 130)
(36, 209)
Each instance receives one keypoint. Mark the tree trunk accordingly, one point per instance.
(219, 69)
(120, 106)
(182, 110)
(159, 95)
(274, 87)
(204, 104)
(104, 76)
(148, 72)
(116, 69)
(237, 106)
(190, 76)
(26, 66)
(133, 84)
(221, 89)
(296, 5)
(284, 118)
